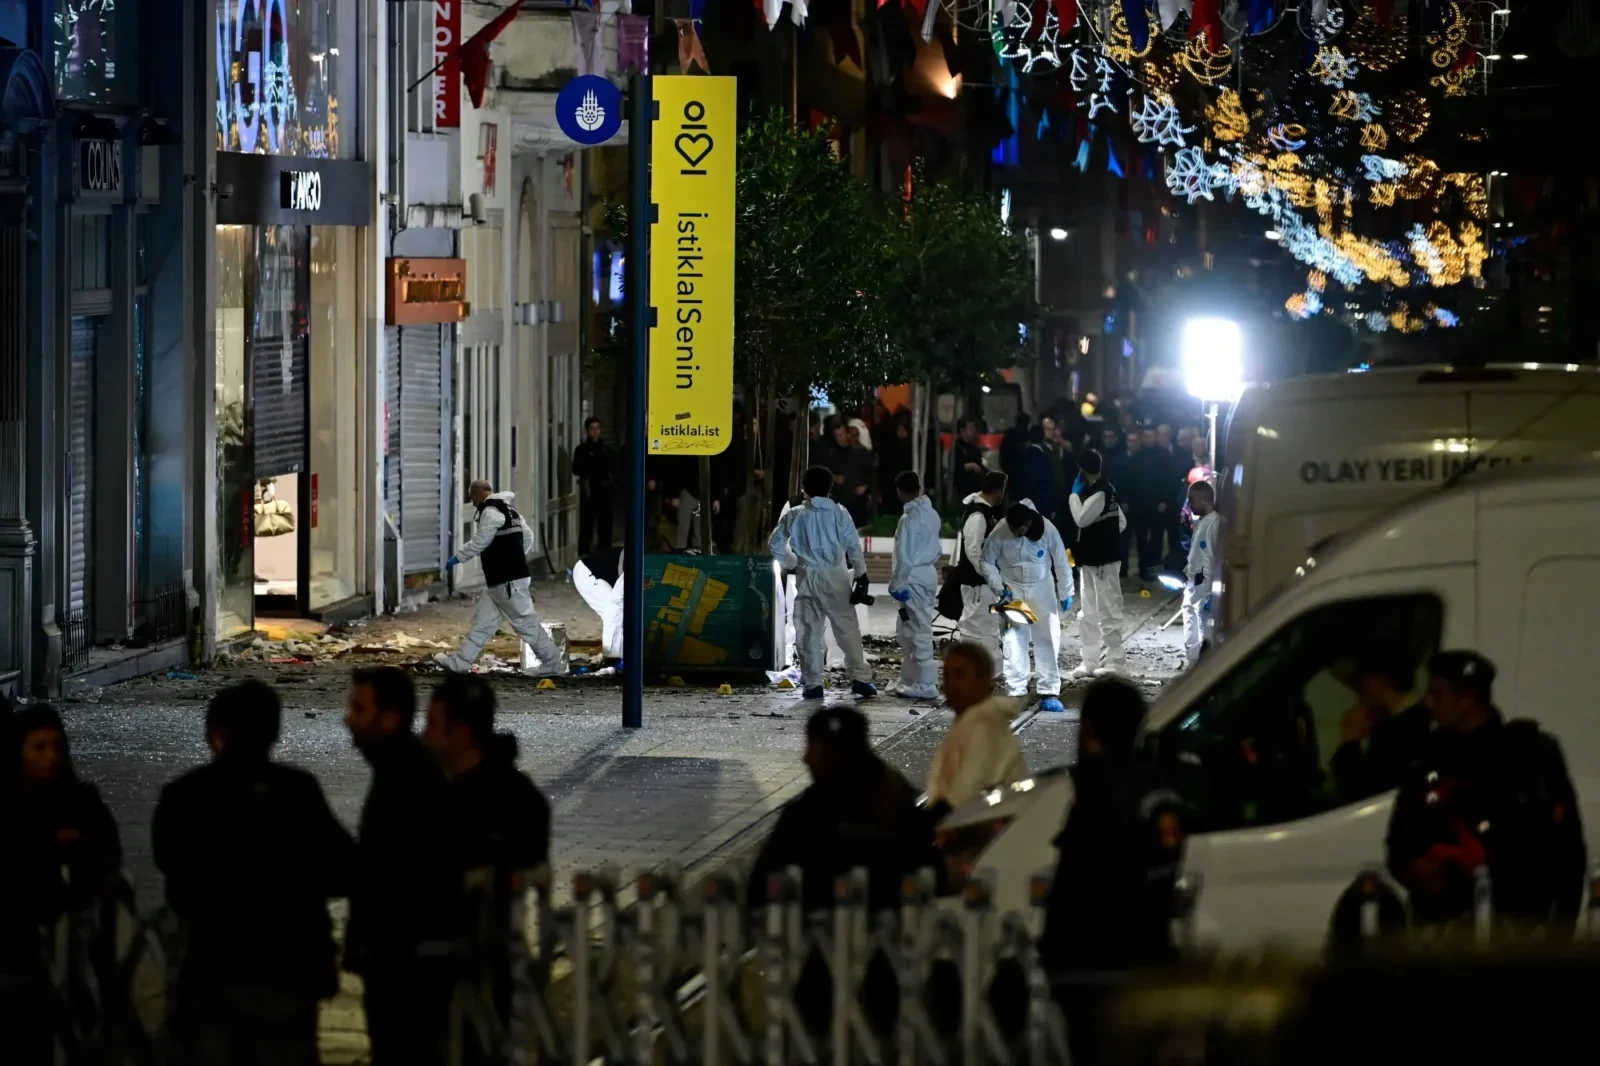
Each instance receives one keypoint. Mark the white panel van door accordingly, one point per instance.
(1277, 837)
(1540, 591)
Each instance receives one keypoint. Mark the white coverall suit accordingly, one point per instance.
(978, 623)
(1197, 590)
(916, 556)
(833, 657)
(1037, 573)
(819, 541)
(1100, 621)
(510, 601)
(606, 601)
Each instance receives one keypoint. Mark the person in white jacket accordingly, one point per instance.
(820, 543)
(980, 513)
(979, 751)
(1025, 559)
(598, 578)
(913, 583)
(1200, 567)
(1100, 554)
(503, 541)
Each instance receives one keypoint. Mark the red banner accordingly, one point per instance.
(447, 79)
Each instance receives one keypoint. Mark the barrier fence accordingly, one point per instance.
(684, 975)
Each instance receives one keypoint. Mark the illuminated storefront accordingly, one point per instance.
(291, 299)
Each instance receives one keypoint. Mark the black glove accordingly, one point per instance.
(859, 593)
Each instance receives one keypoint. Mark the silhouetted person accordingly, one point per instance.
(50, 821)
(966, 457)
(405, 897)
(594, 467)
(251, 855)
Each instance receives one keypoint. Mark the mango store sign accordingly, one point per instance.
(691, 265)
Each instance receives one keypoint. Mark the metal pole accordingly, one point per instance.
(640, 215)
(1211, 416)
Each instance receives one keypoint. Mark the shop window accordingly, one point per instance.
(287, 77)
(95, 43)
(1257, 749)
(91, 252)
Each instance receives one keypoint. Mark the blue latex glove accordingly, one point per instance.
(1066, 604)
(451, 563)
(1006, 596)
(903, 595)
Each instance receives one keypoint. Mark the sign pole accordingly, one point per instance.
(640, 212)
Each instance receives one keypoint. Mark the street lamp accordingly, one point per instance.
(1213, 366)
(1058, 234)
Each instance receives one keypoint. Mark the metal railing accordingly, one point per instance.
(690, 976)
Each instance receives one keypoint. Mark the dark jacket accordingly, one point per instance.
(594, 466)
(1501, 795)
(408, 868)
(1111, 903)
(502, 817)
(1063, 472)
(856, 465)
(251, 855)
(865, 815)
(968, 481)
(1153, 478)
(1391, 751)
(64, 826)
(1038, 480)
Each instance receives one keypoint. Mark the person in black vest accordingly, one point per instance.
(980, 512)
(251, 855)
(593, 466)
(503, 540)
(1100, 555)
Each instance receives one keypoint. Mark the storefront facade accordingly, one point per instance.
(292, 295)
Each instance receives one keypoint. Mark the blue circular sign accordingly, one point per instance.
(589, 109)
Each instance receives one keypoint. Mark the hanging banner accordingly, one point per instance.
(691, 265)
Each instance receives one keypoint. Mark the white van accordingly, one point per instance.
(1506, 563)
(1312, 457)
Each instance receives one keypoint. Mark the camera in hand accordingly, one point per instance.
(859, 593)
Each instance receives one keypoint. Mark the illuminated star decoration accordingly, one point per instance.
(1333, 67)
(1158, 122)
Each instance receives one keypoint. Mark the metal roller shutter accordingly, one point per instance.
(391, 424)
(80, 474)
(421, 434)
(279, 375)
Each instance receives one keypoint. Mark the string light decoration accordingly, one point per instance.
(1204, 65)
(1351, 106)
(1445, 45)
(1333, 67)
(1158, 122)
(1330, 25)
(1119, 45)
(1190, 176)
(1407, 115)
(1374, 138)
(1379, 169)
(1227, 117)
(1287, 137)
(1374, 45)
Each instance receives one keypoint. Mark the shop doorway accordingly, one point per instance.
(289, 417)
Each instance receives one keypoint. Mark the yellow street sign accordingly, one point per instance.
(692, 164)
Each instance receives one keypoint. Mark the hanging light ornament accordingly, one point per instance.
(1329, 26)
(1119, 45)
(1204, 65)
(1374, 138)
(1446, 44)
(1407, 115)
(1333, 67)
(1227, 117)
(1352, 106)
(1374, 45)
(1158, 122)
(1287, 137)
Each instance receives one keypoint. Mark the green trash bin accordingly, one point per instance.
(711, 613)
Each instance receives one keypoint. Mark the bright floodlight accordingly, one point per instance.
(1058, 234)
(1213, 362)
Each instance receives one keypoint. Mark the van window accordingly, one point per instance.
(1257, 749)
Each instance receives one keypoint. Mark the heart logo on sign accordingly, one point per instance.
(687, 146)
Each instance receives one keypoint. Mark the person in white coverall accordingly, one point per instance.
(1025, 559)
(1099, 553)
(503, 541)
(979, 515)
(979, 750)
(818, 541)
(598, 579)
(913, 583)
(1199, 569)
(832, 655)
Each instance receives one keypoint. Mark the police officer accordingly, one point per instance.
(980, 513)
(1100, 554)
(1486, 793)
(1111, 903)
